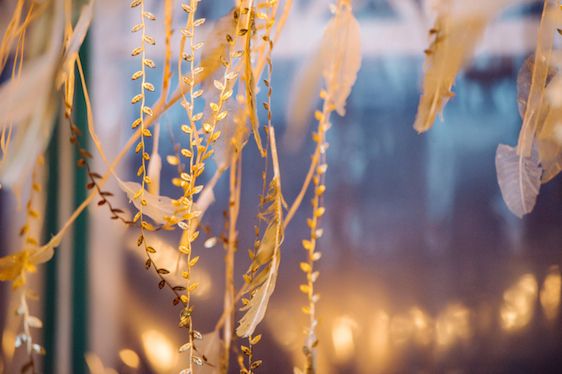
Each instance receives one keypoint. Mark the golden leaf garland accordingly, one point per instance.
(268, 17)
(220, 132)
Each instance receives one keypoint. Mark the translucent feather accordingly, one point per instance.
(549, 147)
(342, 42)
(263, 285)
(541, 67)
(211, 346)
(338, 60)
(159, 208)
(519, 179)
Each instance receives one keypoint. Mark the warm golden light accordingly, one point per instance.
(379, 337)
(519, 301)
(423, 329)
(96, 366)
(452, 325)
(342, 338)
(8, 347)
(159, 351)
(550, 293)
(203, 278)
(129, 358)
(401, 329)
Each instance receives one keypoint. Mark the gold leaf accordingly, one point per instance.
(208, 128)
(149, 16)
(219, 85)
(149, 63)
(215, 136)
(136, 99)
(304, 288)
(137, 27)
(146, 110)
(308, 245)
(194, 261)
(222, 115)
(172, 160)
(255, 340)
(149, 40)
(305, 267)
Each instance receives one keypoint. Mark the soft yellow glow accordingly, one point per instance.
(159, 351)
(95, 365)
(452, 325)
(286, 335)
(550, 293)
(8, 344)
(518, 306)
(379, 336)
(423, 329)
(401, 329)
(201, 276)
(129, 358)
(342, 338)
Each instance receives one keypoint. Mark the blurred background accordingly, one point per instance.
(424, 269)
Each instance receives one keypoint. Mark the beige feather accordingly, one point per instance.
(159, 208)
(155, 164)
(29, 103)
(234, 134)
(342, 43)
(75, 41)
(549, 20)
(338, 60)
(304, 95)
(268, 255)
(216, 48)
(550, 149)
(265, 285)
(458, 28)
(211, 346)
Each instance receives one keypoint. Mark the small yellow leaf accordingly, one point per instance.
(305, 267)
(255, 340)
(172, 160)
(194, 261)
(308, 245)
